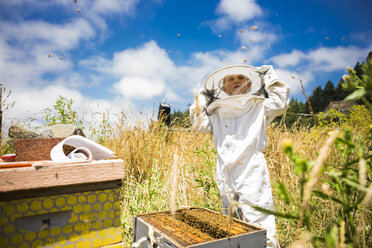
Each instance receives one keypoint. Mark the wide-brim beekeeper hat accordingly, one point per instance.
(214, 81)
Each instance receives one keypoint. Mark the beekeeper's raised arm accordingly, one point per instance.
(278, 94)
(198, 115)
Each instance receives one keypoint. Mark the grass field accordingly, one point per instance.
(170, 168)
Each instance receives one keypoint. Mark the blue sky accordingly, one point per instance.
(130, 54)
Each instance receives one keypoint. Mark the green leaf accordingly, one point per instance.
(278, 214)
(330, 183)
(334, 174)
(355, 184)
(282, 191)
(326, 197)
(357, 202)
(356, 94)
(331, 237)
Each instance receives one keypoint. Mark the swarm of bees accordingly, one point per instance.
(50, 55)
(77, 10)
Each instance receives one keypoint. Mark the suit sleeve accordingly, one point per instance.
(198, 115)
(278, 91)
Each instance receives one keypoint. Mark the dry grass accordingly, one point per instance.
(150, 153)
(149, 156)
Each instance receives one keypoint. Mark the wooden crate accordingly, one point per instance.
(61, 205)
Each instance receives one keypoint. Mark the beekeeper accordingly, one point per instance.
(237, 103)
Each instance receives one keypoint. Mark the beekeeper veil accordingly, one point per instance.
(214, 83)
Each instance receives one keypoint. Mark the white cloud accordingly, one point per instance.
(24, 49)
(210, 61)
(289, 59)
(331, 59)
(234, 12)
(325, 59)
(35, 4)
(36, 79)
(140, 88)
(262, 37)
(239, 10)
(293, 79)
(148, 61)
(95, 12)
(31, 101)
(306, 65)
(111, 6)
(54, 36)
(362, 37)
(107, 7)
(144, 73)
(171, 96)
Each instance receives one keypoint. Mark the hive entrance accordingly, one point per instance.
(194, 226)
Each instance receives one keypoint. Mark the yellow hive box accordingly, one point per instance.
(61, 205)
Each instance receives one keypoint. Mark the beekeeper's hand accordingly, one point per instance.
(269, 75)
(278, 100)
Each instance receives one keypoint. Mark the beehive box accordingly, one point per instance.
(61, 205)
(195, 227)
(34, 149)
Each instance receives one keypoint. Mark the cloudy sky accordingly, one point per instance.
(115, 54)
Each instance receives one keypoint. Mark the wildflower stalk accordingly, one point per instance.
(174, 184)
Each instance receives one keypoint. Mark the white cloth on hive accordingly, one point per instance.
(85, 149)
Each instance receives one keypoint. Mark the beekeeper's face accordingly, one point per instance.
(235, 84)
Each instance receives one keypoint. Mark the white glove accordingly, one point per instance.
(270, 76)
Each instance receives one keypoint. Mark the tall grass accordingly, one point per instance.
(153, 156)
(150, 154)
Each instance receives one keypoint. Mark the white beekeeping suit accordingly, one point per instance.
(238, 123)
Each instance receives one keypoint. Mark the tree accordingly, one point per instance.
(329, 93)
(369, 57)
(296, 106)
(341, 93)
(179, 118)
(317, 100)
(358, 69)
(329, 90)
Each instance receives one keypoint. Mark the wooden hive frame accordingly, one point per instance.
(178, 231)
